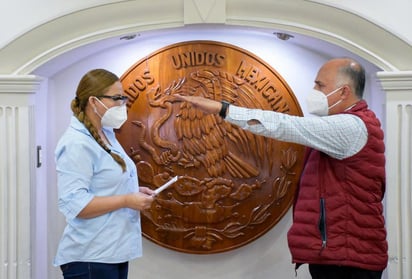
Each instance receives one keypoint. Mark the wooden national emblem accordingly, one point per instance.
(233, 186)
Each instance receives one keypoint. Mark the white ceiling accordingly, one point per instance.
(192, 32)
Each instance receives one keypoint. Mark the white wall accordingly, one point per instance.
(20, 16)
(391, 15)
(266, 257)
(39, 193)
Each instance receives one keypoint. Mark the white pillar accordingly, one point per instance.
(17, 164)
(398, 88)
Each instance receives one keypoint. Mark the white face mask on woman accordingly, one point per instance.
(114, 117)
(317, 102)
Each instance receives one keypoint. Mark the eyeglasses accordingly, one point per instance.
(115, 98)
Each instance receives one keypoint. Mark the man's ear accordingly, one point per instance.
(346, 92)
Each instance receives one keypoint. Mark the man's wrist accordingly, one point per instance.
(223, 110)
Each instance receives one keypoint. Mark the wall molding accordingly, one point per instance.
(80, 28)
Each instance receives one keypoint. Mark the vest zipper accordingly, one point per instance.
(322, 224)
(322, 203)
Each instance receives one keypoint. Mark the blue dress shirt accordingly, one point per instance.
(84, 170)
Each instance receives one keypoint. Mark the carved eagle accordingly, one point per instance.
(209, 140)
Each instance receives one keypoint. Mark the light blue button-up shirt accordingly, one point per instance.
(85, 170)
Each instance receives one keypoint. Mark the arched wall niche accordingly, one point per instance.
(303, 62)
(103, 25)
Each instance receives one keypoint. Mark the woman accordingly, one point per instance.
(97, 185)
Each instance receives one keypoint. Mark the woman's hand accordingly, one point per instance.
(146, 190)
(140, 200)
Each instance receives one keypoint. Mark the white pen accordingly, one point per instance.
(164, 186)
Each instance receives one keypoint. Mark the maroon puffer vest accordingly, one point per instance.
(338, 215)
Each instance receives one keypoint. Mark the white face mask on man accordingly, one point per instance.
(317, 102)
(114, 117)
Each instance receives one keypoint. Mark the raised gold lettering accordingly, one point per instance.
(194, 59)
(138, 85)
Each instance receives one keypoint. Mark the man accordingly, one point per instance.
(338, 225)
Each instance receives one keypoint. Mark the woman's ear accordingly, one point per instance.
(92, 101)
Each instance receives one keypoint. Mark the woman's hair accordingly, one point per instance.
(94, 83)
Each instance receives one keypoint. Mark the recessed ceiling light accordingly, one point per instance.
(283, 36)
(128, 37)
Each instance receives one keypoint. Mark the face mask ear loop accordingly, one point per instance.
(335, 104)
(101, 103)
(95, 111)
(95, 108)
(334, 91)
(338, 102)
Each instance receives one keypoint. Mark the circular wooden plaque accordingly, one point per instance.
(234, 186)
